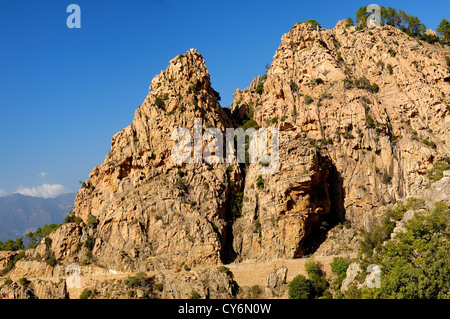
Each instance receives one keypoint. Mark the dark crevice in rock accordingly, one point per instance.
(317, 231)
(233, 210)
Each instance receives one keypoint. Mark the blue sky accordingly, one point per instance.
(65, 92)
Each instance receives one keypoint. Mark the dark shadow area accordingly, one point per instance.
(233, 210)
(317, 233)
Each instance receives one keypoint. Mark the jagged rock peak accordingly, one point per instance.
(375, 100)
(183, 89)
(185, 68)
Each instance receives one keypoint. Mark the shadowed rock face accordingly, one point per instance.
(347, 147)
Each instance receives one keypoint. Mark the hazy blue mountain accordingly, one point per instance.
(20, 214)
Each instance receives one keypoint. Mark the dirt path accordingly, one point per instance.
(249, 274)
(245, 274)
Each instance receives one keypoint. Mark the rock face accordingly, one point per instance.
(6, 257)
(281, 210)
(276, 280)
(362, 116)
(142, 211)
(153, 212)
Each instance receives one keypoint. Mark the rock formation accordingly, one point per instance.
(362, 116)
(375, 101)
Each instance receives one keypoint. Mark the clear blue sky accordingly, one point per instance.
(65, 92)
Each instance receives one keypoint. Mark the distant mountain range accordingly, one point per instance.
(20, 214)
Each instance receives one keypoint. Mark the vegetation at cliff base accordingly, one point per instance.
(313, 287)
(415, 264)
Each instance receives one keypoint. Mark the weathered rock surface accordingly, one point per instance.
(275, 281)
(362, 116)
(382, 139)
(6, 257)
(281, 210)
(150, 212)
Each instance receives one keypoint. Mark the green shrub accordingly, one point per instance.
(294, 86)
(89, 243)
(325, 96)
(318, 81)
(86, 294)
(273, 120)
(250, 123)
(194, 295)
(260, 86)
(390, 69)
(429, 143)
(349, 22)
(158, 287)
(223, 269)
(71, 218)
(437, 171)
(257, 226)
(12, 263)
(300, 288)
(236, 209)
(386, 178)
(6, 283)
(181, 185)
(308, 100)
(23, 281)
(339, 266)
(159, 102)
(348, 83)
(260, 182)
(392, 52)
(92, 221)
(364, 83)
(317, 279)
(256, 291)
(50, 259)
(312, 268)
(347, 135)
(140, 280)
(370, 122)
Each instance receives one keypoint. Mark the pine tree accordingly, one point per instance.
(443, 30)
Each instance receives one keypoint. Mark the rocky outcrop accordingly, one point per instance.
(151, 211)
(140, 210)
(275, 281)
(6, 257)
(375, 101)
(38, 289)
(362, 116)
(281, 210)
